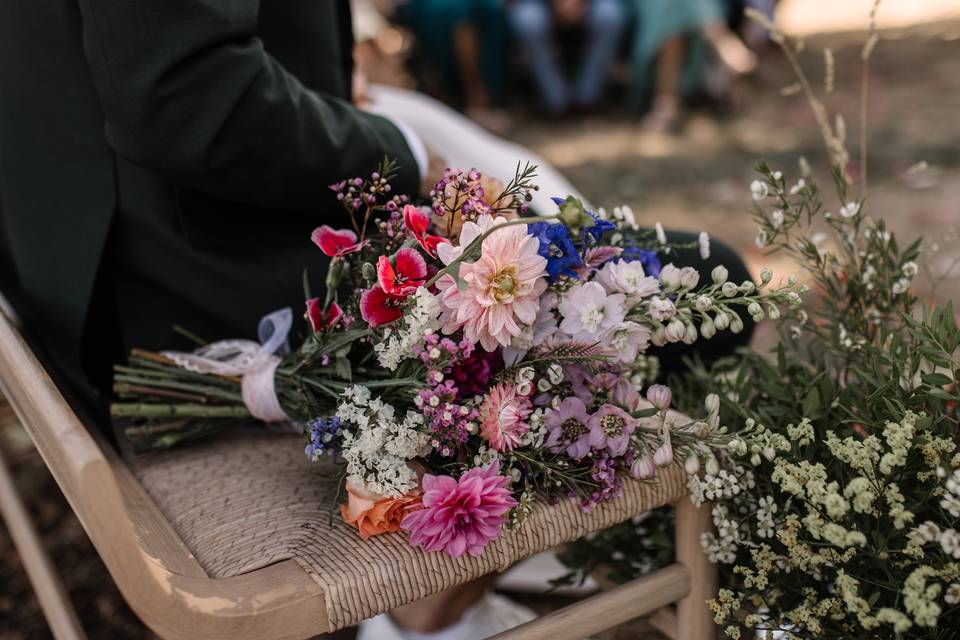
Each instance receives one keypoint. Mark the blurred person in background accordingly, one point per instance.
(675, 43)
(464, 43)
(536, 23)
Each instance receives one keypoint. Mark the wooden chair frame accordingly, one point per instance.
(168, 589)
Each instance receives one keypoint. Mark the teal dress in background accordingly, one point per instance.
(657, 22)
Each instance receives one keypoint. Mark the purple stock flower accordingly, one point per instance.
(567, 428)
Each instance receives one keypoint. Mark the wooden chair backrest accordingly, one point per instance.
(156, 573)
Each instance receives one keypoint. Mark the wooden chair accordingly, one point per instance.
(232, 538)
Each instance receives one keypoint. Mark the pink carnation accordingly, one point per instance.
(460, 515)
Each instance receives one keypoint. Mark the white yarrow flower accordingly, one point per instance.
(704, 241)
(850, 209)
(758, 189)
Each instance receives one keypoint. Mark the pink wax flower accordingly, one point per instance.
(379, 308)
(406, 277)
(460, 515)
(321, 318)
(503, 287)
(502, 417)
(336, 243)
(610, 429)
(472, 375)
(567, 428)
(417, 221)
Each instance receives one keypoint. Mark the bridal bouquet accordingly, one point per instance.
(465, 360)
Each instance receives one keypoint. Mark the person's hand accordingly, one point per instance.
(570, 12)
(436, 165)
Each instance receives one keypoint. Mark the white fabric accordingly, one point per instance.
(490, 616)
(465, 144)
(254, 361)
(414, 142)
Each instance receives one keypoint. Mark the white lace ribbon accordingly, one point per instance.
(255, 362)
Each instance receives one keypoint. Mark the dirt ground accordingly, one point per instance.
(697, 179)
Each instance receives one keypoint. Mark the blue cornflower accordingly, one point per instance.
(647, 257)
(557, 247)
(599, 226)
(322, 437)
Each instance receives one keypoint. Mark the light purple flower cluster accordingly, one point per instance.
(357, 192)
(605, 474)
(459, 191)
(450, 421)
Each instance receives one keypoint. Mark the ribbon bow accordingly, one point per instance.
(255, 362)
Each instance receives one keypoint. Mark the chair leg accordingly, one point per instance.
(694, 619)
(56, 606)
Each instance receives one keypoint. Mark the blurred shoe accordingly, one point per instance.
(493, 614)
(663, 117)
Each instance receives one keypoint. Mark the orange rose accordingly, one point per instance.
(372, 514)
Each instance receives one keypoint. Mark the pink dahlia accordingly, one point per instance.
(503, 287)
(502, 416)
(460, 515)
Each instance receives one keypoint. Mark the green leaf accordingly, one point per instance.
(344, 369)
(936, 379)
(811, 402)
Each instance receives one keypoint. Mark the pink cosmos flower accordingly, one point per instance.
(417, 222)
(321, 318)
(336, 243)
(610, 429)
(503, 287)
(502, 416)
(409, 274)
(379, 308)
(460, 515)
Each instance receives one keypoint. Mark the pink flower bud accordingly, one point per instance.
(664, 455)
(643, 467)
(659, 396)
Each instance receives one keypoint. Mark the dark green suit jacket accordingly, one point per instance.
(164, 161)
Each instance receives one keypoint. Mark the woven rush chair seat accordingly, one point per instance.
(245, 501)
(232, 538)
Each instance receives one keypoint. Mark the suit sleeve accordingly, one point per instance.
(188, 91)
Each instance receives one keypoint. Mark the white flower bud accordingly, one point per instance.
(708, 329)
(792, 280)
(692, 464)
(712, 467)
(690, 334)
(670, 276)
(643, 467)
(689, 278)
(729, 289)
(659, 337)
(766, 275)
(736, 324)
(712, 403)
(543, 385)
(773, 311)
(704, 303)
(675, 331)
(659, 396)
(769, 453)
(754, 309)
(755, 460)
(719, 274)
(747, 287)
(555, 373)
(664, 455)
(722, 321)
(524, 388)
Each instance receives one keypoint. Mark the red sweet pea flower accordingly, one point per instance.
(409, 274)
(379, 308)
(417, 222)
(336, 243)
(321, 318)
